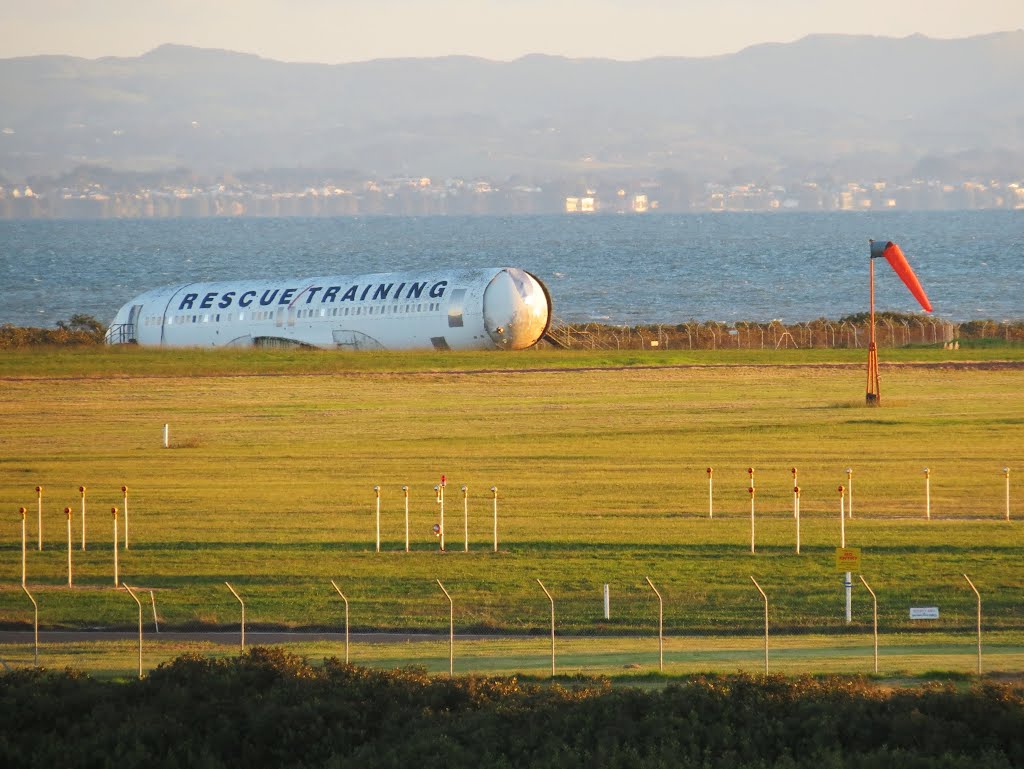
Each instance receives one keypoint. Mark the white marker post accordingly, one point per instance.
(765, 597)
(1006, 473)
(874, 600)
(927, 494)
(23, 512)
(751, 490)
(711, 493)
(81, 490)
(439, 527)
(661, 633)
(167, 436)
(451, 630)
(796, 515)
(494, 492)
(849, 490)
(343, 598)
(979, 619)
(136, 599)
(67, 512)
(376, 491)
(552, 600)
(124, 491)
(793, 470)
(405, 493)
(607, 601)
(444, 482)
(113, 512)
(39, 512)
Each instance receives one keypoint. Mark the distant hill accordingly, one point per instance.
(826, 104)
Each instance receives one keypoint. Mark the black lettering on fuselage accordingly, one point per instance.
(312, 293)
(350, 295)
(225, 301)
(415, 290)
(264, 300)
(207, 302)
(330, 294)
(246, 298)
(187, 300)
(365, 292)
(383, 291)
(437, 290)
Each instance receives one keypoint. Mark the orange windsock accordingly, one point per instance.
(894, 256)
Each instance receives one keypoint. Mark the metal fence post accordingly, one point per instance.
(67, 512)
(376, 491)
(552, 600)
(343, 598)
(711, 493)
(874, 600)
(494, 492)
(849, 490)
(22, 511)
(1006, 473)
(465, 517)
(405, 492)
(236, 595)
(451, 630)
(136, 599)
(979, 619)
(661, 634)
(765, 597)
(751, 490)
(796, 515)
(793, 470)
(39, 513)
(927, 494)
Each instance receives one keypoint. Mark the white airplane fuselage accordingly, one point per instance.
(488, 308)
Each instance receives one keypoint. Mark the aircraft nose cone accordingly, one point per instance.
(516, 309)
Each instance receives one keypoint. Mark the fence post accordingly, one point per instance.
(874, 600)
(552, 600)
(927, 494)
(376, 491)
(849, 490)
(1006, 472)
(35, 622)
(796, 515)
(765, 597)
(343, 598)
(979, 619)
(451, 630)
(661, 634)
(793, 470)
(752, 491)
(236, 595)
(156, 622)
(136, 599)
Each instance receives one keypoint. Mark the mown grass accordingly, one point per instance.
(600, 463)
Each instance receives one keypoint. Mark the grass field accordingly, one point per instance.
(599, 459)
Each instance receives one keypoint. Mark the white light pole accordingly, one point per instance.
(796, 515)
(793, 470)
(849, 490)
(39, 512)
(927, 494)
(236, 595)
(136, 599)
(765, 597)
(67, 512)
(465, 517)
(343, 598)
(22, 511)
(874, 600)
(124, 491)
(711, 493)
(552, 600)
(405, 492)
(376, 491)
(81, 490)
(979, 619)
(451, 630)
(1006, 473)
(113, 513)
(494, 492)
(661, 634)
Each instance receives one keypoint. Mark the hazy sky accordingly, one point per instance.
(354, 30)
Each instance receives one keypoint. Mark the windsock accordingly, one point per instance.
(894, 256)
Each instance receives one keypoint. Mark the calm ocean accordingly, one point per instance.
(616, 269)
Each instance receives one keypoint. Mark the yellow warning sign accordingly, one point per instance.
(848, 559)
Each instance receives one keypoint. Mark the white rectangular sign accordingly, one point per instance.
(924, 612)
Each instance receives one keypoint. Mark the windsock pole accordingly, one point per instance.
(874, 395)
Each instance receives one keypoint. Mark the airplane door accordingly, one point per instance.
(132, 331)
